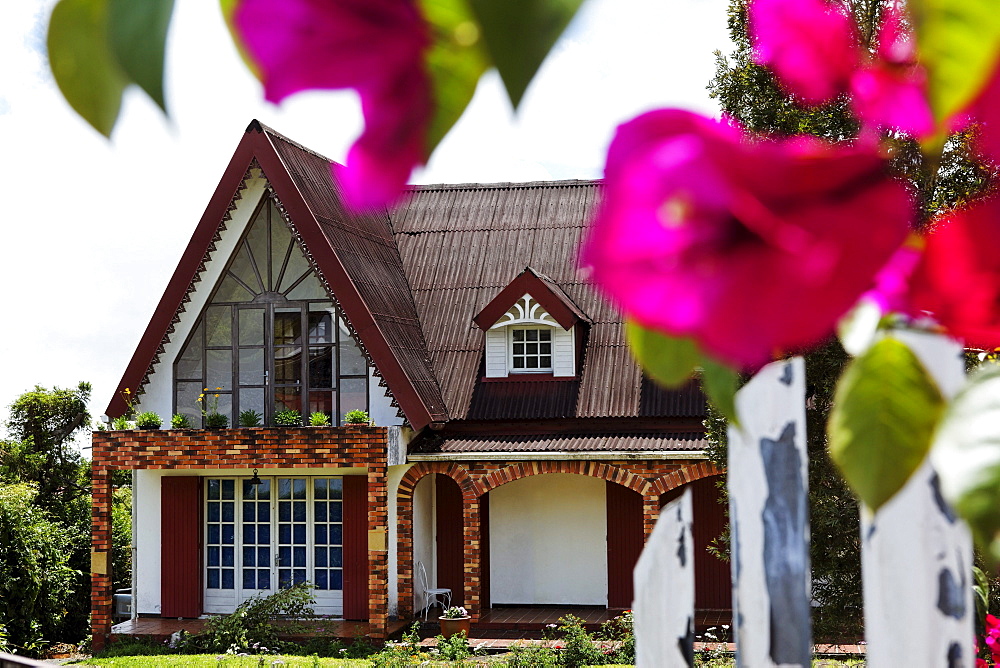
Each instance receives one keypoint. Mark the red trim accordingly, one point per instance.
(624, 542)
(180, 530)
(527, 376)
(450, 538)
(527, 282)
(256, 145)
(356, 565)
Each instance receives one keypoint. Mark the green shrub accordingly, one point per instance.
(319, 419)
(131, 646)
(356, 417)
(531, 656)
(148, 420)
(120, 423)
(180, 421)
(251, 627)
(579, 648)
(121, 537)
(216, 421)
(621, 632)
(250, 418)
(455, 648)
(288, 418)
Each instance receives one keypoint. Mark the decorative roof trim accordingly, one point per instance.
(539, 288)
(525, 311)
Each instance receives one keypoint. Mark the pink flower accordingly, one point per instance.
(752, 248)
(375, 47)
(985, 112)
(958, 282)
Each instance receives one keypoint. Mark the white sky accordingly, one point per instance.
(92, 229)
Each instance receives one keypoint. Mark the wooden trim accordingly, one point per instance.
(527, 282)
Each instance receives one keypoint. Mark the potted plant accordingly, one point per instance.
(455, 620)
(121, 423)
(148, 420)
(319, 419)
(250, 418)
(213, 418)
(356, 417)
(179, 421)
(287, 418)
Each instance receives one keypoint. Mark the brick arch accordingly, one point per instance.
(458, 473)
(683, 476)
(595, 469)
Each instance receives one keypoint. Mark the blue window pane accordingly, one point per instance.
(263, 579)
(284, 577)
(337, 488)
(300, 556)
(263, 511)
(264, 490)
(228, 578)
(284, 534)
(228, 556)
(228, 511)
(213, 534)
(213, 556)
(321, 579)
(249, 558)
(249, 578)
(213, 578)
(228, 489)
(300, 534)
(284, 511)
(249, 491)
(337, 556)
(319, 488)
(264, 534)
(249, 534)
(285, 556)
(300, 511)
(336, 579)
(248, 511)
(336, 534)
(299, 575)
(299, 488)
(284, 488)
(213, 491)
(213, 512)
(337, 512)
(320, 557)
(264, 556)
(320, 507)
(321, 534)
(228, 532)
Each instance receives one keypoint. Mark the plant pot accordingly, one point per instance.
(453, 626)
(150, 428)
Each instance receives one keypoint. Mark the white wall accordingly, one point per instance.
(548, 541)
(423, 534)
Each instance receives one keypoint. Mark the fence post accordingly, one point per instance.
(916, 555)
(769, 519)
(664, 591)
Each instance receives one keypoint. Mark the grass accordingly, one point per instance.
(218, 661)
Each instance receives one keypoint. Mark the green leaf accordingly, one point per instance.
(967, 457)
(958, 42)
(84, 68)
(720, 383)
(519, 35)
(666, 359)
(455, 61)
(885, 410)
(137, 35)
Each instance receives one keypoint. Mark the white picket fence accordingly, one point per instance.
(916, 555)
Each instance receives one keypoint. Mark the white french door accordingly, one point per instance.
(284, 531)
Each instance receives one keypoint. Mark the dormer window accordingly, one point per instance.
(530, 349)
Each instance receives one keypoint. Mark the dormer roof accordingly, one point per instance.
(543, 290)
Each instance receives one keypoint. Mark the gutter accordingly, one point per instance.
(574, 455)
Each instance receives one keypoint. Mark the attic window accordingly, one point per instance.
(530, 349)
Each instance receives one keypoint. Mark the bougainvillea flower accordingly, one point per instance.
(809, 44)
(958, 278)
(375, 47)
(985, 113)
(894, 97)
(751, 248)
(891, 292)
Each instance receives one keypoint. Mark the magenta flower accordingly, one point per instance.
(812, 48)
(375, 47)
(752, 248)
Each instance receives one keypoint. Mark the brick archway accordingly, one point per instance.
(594, 469)
(683, 476)
(404, 515)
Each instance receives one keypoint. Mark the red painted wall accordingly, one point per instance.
(450, 538)
(180, 543)
(624, 542)
(356, 547)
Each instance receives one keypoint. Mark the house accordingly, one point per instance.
(517, 456)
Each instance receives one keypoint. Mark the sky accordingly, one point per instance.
(92, 228)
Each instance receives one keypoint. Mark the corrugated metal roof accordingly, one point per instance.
(669, 442)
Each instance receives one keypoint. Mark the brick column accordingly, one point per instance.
(378, 554)
(650, 513)
(101, 601)
(473, 560)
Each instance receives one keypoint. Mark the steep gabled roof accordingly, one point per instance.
(543, 290)
(355, 255)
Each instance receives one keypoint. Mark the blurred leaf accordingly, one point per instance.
(666, 359)
(959, 42)
(137, 35)
(455, 61)
(84, 68)
(884, 413)
(228, 7)
(967, 457)
(519, 35)
(720, 383)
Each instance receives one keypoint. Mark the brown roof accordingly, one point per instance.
(682, 441)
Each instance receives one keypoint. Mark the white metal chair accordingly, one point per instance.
(432, 595)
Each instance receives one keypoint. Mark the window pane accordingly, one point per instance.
(252, 399)
(299, 489)
(213, 489)
(228, 489)
(336, 488)
(519, 335)
(319, 488)
(518, 363)
(187, 401)
(256, 243)
(242, 269)
(287, 327)
(544, 335)
(287, 398)
(308, 288)
(297, 266)
(219, 370)
(320, 327)
(545, 362)
(228, 578)
(321, 367)
(287, 365)
(281, 238)
(189, 363)
(219, 325)
(285, 489)
(352, 360)
(230, 290)
(251, 367)
(321, 580)
(531, 335)
(323, 402)
(353, 395)
(251, 326)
